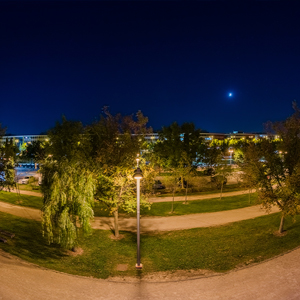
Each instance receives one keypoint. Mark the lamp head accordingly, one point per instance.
(138, 174)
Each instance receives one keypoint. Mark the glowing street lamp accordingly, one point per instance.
(138, 175)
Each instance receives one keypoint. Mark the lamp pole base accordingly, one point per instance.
(139, 267)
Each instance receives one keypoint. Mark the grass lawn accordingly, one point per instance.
(227, 188)
(157, 209)
(27, 187)
(200, 206)
(218, 249)
(21, 199)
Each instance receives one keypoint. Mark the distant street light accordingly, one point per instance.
(138, 175)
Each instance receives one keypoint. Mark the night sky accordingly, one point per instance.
(174, 61)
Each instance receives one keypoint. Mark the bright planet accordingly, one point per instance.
(230, 94)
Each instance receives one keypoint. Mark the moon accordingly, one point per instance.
(230, 94)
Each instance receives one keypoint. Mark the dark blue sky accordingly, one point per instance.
(175, 61)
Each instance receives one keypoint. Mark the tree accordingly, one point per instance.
(171, 182)
(239, 156)
(289, 132)
(68, 184)
(33, 182)
(277, 175)
(2, 130)
(186, 172)
(248, 176)
(37, 151)
(8, 152)
(192, 143)
(118, 191)
(68, 189)
(176, 142)
(67, 140)
(211, 157)
(223, 170)
(168, 148)
(115, 142)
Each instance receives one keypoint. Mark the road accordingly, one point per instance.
(21, 172)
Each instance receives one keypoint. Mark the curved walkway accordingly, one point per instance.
(163, 199)
(23, 192)
(275, 279)
(150, 224)
(198, 197)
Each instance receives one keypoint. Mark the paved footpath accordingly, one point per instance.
(150, 224)
(23, 192)
(276, 279)
(198, 197)
(162, 199)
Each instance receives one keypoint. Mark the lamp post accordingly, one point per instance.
(138, 175)
(230, 151)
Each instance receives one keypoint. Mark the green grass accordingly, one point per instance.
(208, 190)
(227, 188)
(157, 209)
(21, 199)
(200, 206)
(218, 249)
(28, 187)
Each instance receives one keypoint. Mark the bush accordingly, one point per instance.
(33, 182)
(218, 180)
(209, 172)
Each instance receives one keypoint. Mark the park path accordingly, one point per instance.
(275, 279)
(162, 199)
(198, 197)
(150, 224)
(23, 192)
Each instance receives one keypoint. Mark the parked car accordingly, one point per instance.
(23, 180)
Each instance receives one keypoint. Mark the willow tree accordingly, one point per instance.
(68, 196)
(8, 153)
